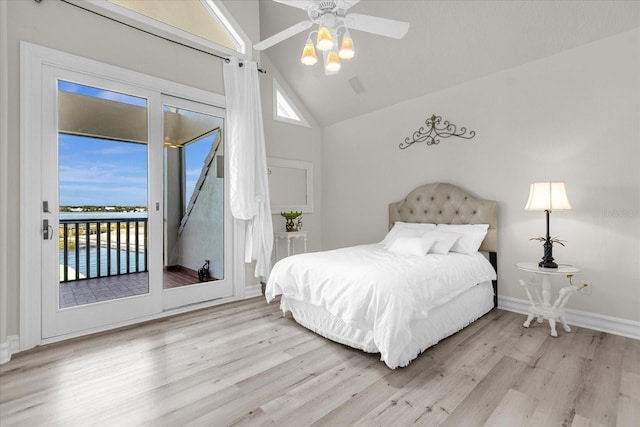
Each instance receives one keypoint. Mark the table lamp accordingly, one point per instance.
(548, 196)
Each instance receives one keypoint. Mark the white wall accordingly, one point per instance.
(293, 142)
(173, 205)
(573, 117)
(203, 235)
(6, 349)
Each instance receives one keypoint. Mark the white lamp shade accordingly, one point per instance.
(346, 48)
(309, 54)
(548, 196)
(324, 41)
(333, 62)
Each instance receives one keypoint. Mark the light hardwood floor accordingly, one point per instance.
(243, 364)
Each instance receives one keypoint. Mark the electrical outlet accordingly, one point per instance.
(585, 288)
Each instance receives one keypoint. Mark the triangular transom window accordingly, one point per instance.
(203, 23)
(283, 109)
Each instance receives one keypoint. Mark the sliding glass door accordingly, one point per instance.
(134, 216)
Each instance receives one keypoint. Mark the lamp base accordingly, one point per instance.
(547, 264)
(547, 259)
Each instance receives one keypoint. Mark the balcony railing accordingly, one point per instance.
(91, 248)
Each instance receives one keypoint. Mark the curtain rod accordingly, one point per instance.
(224, 58)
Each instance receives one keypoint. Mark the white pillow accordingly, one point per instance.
(406, 229)
(472, 236)
(411, 246)
(443, 241)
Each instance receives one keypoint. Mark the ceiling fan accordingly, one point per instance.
(333, 22)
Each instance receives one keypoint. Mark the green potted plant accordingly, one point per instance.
(291, 224)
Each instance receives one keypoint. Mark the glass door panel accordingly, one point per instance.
(102, 194)
(98, 264)
(195, 216)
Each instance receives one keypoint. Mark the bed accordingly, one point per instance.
(406, 293)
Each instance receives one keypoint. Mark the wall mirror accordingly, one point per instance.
(290, 185)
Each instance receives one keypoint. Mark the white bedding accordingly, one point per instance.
(378, 292)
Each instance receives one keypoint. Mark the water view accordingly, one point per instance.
(108, 262)
(98, 244)
(82, 216)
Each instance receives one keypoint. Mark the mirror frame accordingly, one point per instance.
(293, 164)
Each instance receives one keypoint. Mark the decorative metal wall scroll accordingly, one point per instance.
(431, 134)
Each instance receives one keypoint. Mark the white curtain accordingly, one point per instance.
(248, 161)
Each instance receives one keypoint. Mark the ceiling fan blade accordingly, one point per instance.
(283, 35)
(346, 4)
(300, 4)
(375, 25)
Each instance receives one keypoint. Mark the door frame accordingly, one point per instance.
(33, 58)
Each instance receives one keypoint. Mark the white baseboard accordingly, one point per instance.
(583, 319)
(8, 348)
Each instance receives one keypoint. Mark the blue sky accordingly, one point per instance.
(196, 153)
(101, 172)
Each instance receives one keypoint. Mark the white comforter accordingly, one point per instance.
(374, 290)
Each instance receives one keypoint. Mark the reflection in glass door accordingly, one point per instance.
(195, 259)
(102, 188)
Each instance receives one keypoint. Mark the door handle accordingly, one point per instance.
(47, 230)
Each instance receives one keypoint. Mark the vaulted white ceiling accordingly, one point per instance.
(448, 43)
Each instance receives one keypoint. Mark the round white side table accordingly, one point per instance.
(541, 305)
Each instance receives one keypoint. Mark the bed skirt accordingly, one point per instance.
(442, 322)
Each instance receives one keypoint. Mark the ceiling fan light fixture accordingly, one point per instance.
(346, 48)
(331, 18)
(309, 54)
(324, 41)
(333, 62)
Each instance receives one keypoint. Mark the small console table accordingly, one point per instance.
(541, 306)
(288, 236)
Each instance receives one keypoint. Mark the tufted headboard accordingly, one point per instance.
(441, 203)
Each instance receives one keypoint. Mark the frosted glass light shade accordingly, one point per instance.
(346, 48)
(324, 40)
(333, 61)
(548, 196)
(309, 54)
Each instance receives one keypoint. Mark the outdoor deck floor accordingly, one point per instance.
(89, 291)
